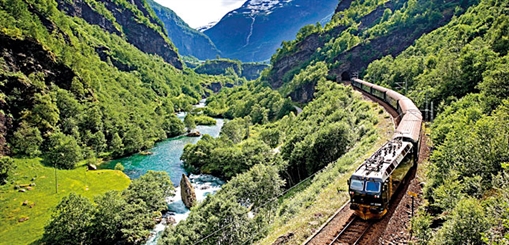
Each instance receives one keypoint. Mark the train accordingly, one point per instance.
(374, 183)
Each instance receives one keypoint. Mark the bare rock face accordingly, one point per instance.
(187, 192)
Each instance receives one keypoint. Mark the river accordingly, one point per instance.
(166, 157)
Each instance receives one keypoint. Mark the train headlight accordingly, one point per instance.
(377, 196)
(351, 193)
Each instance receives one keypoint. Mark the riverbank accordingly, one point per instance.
(24, 224)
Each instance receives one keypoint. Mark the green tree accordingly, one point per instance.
(173, 126)
(116, 145)
(235, 130)
(63, 151)
(152, 188)
(189, 122)
(71, 222)
(6, 165)
(108, 218)
(136, 221)
(133, 139)
(256, 188)
(119, 167)
(27, 140)
(271, 137)
(466, 225)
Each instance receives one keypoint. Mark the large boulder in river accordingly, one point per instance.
(194, 133)
(187, 192)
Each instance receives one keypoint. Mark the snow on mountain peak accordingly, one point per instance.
(262, 6)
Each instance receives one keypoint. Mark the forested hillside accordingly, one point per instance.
(359, 33)
(462, 69)
(72, 88)
(249, 71)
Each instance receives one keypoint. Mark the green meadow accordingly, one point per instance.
(23, 215)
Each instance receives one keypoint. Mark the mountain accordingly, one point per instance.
(254, 31)
(135, 21)
(188, 41)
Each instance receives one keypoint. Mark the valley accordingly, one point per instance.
(108, 82)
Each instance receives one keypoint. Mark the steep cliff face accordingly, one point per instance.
(254, 31)
(359, 57)
(131, 20)
(252, 71)
(189, 41)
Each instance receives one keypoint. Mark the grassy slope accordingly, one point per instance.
(79, 180)
(320, 199)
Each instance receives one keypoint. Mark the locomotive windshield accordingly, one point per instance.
(357, 185)
(373, 187)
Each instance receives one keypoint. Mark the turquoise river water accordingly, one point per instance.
(166, 157)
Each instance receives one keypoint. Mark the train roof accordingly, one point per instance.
(379, 88)
(395, 95)
(410, 126)
(381, 164)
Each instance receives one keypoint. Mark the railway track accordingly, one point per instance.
(353, 232)
(344, 227)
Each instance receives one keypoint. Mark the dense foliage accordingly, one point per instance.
(467, 55)
(359, 34)
(253, 99)
(125, 217)
(289, 149)
(117, 100)
(462, 68)
(239, 213)
(323, 132)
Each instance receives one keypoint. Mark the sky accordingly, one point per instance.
(197, 13)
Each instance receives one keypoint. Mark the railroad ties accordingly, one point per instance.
(353, 231)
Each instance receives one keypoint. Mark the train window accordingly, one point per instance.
(357, 185)
(373, 187)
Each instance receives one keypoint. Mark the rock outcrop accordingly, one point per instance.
(250, 71)
(194, 133)
(147, 37)
(187, 192)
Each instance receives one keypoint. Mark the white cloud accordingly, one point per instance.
(198, 13)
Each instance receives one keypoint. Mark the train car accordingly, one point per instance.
(374, 183)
